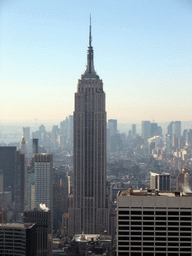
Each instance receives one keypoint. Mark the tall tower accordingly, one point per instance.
(43, 167)
(89, 210)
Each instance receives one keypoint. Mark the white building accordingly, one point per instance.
(153, 224)
(160, 181)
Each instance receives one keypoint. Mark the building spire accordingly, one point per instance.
(90, 66)
(90, 38)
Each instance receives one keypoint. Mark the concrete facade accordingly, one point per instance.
(153, 224)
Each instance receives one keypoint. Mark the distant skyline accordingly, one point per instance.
(142, 51)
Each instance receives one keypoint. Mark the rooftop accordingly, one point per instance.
(151, 192)
(17, 225)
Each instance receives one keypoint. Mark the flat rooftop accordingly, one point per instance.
(17, 225)
(152, 192)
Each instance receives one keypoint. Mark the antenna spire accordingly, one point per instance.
(90, 67)
(90, 38)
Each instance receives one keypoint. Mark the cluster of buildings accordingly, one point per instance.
(86, 189)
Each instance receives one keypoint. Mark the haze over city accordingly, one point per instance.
(142, 53)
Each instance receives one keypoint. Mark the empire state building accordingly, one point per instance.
(89, 207)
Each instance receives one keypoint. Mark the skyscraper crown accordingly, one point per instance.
(90, 65)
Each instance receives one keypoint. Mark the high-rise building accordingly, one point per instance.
(23, 150)
(153, 224)
(160, 181)
(174, 129)
(42, 219)
(26, 132)
(177, 129)
(146, 130)
(18, 239)
(112, 126)
(153, 129)
(60, 203)
(19, 182)
(35, 146)
(30, 187)
(1, 180)
(133, 129)
(70, 130)
(43, 180)
(170, 129)
(89, 211)
(8, 165)
(189, 137)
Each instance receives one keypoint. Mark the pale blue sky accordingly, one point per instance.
(142, 51)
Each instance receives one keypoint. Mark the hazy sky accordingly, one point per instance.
(142, 52)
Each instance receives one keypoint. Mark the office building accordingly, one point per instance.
(189, 137)
(5, 199)
(170, 129)
(60, 203)
(26, 132)
(177, 129)
(17, 239)
(160, 181)
(42, 219)
(112, 126)
(89, 210)
(35, 146)
(8, 165)
(70, 130)
(146, 130)
(134, 130)
(43, 180)
(174, 129)
(1, 180)
(30, 187)
(19, 192)
(153, 129)
(187, 186)
(153, 224)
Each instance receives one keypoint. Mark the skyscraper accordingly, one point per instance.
(177, 129)
(89, 211)
(146, 130)
(26, 132)
(43, 169)
(8, 165)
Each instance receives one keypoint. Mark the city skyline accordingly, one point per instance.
(142, 54)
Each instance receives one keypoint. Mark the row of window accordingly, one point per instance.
(155, 244)
(154, 217)
(156, 228)
(153, 254)
(156, 233)
(147, 223)
(174, 239)
(188, 249)
(154, 212)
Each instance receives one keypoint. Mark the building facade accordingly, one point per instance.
(18, 239)
(153, 224)
(160, 181)
(8, 165)
(146, 130)
(43, 180)
(42, 219)
(89, 211)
